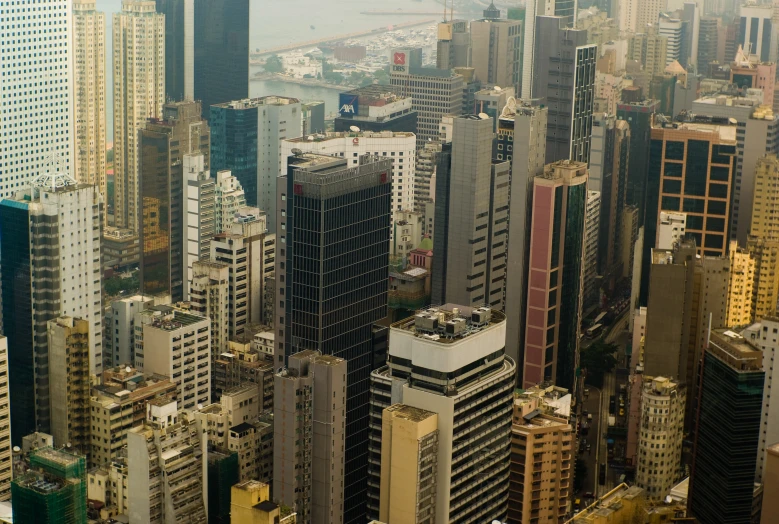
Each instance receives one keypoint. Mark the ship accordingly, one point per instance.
(312, 27)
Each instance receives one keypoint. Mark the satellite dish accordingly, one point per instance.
(128, 369)
(17, 449)
(297, 151)
(310, 138)
(484, 116)
(354, 129)
(498, 88)
(200, 406)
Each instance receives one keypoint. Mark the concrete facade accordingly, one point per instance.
(310, 401)
(495, 51)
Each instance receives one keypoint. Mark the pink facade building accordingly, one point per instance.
(553, 314)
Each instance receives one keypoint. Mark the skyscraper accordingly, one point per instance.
(495, 50)
(722, 481)
(591, 292)
(467, 345)
(521, 139)
(639, 116)
(55, 270)
(206, 50)
(608, 174)
(163, 146)
(179, 49)
(6, 470)
(756, 30)
(554, 293)
(454, 45)
(221, 51)
(564, 76)
(65, 498)
(472, 268)
(763, 241)
(89, 94)
(334, 221)
(246, 139)
(434, 92)
(139, 94)
(564, 8)
(39, 91)
(310, 402)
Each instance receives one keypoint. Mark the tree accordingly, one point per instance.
(598, 359)
(273, 64)
(579, 474)
(382, 77)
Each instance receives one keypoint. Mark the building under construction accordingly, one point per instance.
(53, 491)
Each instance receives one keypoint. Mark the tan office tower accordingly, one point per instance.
(209, 297)
(309, 412)
(763, 240)
(495, 51)
(5, 424)
(409, 464)
(69, 382)
(660, 436)
(89, 94)
(541, 462)
(451, 361)
(649, 49)
(139, 94)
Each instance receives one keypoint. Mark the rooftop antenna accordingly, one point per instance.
(451, 11)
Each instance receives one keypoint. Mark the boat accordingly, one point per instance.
(312, 27)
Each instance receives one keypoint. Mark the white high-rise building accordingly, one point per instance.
(36, 89)
(672, 29)
(89, 94)
(139, 94)
(199, 206)
(660, 436)
(120, 323)
(763, 335)
(230, 197)
(400, 147)
(591, 229)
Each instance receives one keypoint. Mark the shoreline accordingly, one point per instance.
(310, 82)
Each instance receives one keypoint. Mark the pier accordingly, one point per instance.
(329, 39)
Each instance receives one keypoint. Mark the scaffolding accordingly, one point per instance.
(53, 491)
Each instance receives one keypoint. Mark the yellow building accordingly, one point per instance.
(621, 505)
(740, 287)
(409, 460)
(763, 241)
(250, 504)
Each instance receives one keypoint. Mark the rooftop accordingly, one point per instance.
(448, 323)
(410, 413)
(177, 320)
(735, 351)
(248, 103)
(375, 92)
(340, 135)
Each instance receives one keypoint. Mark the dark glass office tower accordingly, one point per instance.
(234, 144)
(178, 66)
(333, 254)
(18, 315)
(638, 115)
(163, 145)
(728, 431)
(221, 52)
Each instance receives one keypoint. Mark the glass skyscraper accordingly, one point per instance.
(333, 257)
(234, 144)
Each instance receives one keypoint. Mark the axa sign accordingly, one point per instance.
(348, 104)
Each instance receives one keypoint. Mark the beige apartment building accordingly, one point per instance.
(246, 361)
(541, 456)
(69, 382)
(235, 424)
(250, 503)
(309, 413)
(173, 342)
(209, 296)
(740, 286)
(409, 465)
(763, 240)
(166, 459)
(89, 94)
(139, 94)
(117, 404)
